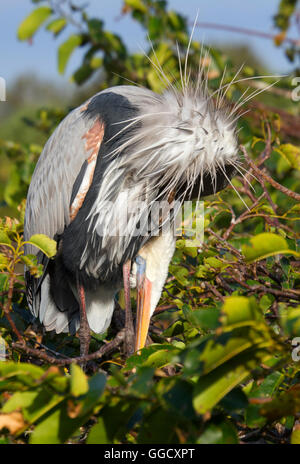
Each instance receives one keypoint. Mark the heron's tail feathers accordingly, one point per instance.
(100, 306)
(61, 312)
(61, 319)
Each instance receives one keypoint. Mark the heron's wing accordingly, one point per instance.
(66, 155)
(59, 183)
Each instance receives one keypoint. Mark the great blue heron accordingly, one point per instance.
(125, 144)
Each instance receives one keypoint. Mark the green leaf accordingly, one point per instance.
(96, 388)
(13, 187)
(290, 153)
(239, 309)
(31, 24)
(3, 262)
(215, 262)
(179, 398)
(211, 388)
(19, 400)
(143, 381)
(206, 319)
(96, 29)
(78, 382)
(98, 434)
(44, 243)
(137, 5)
(27, 373)
(158, 427)
(266, 301)
(155, 27)
(290, 320)
(4, 238)
(3, 282)
(295, 438)
(29, 260)
(96, 62)
(161, 357)
(33, 403)
(188, 250)
(66, 49)
(261, 391)
(265, 245)
(58, 426)
(175, 329)
(181, 274)
(57, 25)
(113, 422)
(55, 428)
(177, 21)
(83, 73)
(235, 400)
(153, 356)
(219, 434)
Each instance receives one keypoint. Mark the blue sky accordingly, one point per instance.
(40, 58)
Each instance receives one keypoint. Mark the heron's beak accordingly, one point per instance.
(143, 286)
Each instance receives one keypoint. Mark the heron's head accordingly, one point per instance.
(183, 142)
(201, 142)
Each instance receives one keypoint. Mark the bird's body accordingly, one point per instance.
(99, 175)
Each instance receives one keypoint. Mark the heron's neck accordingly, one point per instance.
(158, 253)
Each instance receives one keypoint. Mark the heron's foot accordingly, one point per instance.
(85, 338)
(129, 341)
(129, 329)
(84, 330)
(118, 324)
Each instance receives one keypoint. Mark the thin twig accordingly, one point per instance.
(77, 360)
(7, 307)
(269, 179)
(245, 31)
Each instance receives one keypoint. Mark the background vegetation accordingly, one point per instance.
(220, 368)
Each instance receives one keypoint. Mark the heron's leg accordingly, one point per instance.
(129, 329)
(84, 330)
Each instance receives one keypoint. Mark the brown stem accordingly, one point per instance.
(84, 330)
(214, 291)
(77, 360)
(240, 30)
(222, 240)
(269, 179)
(7, 308)
(240, 219)
(287, 294)
(289, 122)
(163, 308)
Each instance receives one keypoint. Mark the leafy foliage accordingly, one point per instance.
(223, 363)
(282, 20)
